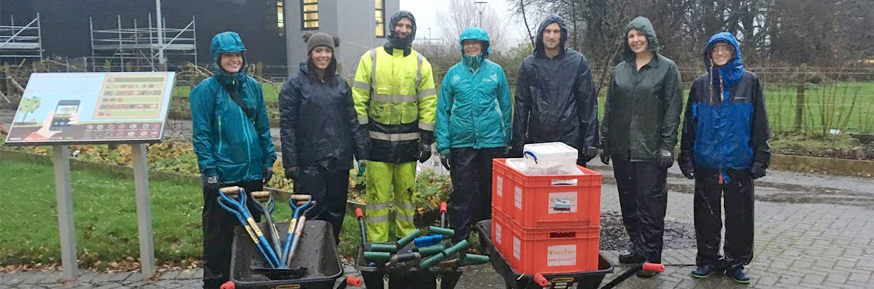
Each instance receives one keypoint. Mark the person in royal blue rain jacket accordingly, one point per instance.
(231, 137)
(724, 148)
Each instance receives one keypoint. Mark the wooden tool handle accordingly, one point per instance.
(300, 197)
(300, 203)
(228, 190)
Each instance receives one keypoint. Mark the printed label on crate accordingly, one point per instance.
(571, 182)
(517, 248)
(500, 187)
(563, 202)
(498, 233)
(518, 198)
(561, 255)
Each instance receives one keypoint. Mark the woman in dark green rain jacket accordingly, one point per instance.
(639, 132)
(233, 146)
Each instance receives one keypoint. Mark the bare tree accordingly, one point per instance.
(463, 14)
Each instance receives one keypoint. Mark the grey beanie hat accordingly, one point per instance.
(314, 40)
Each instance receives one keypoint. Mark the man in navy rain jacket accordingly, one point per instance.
(555, 95)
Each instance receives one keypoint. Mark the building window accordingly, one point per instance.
(280, 17)
(309, 14)
(380, 17)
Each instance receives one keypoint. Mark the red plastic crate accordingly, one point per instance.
(550, 250)
(534, 200)
(500, 232)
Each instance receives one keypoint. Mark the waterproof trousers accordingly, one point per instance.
(329, 189)
(383, 180)
(471, 197)
(218, 234)
(738, 193)
(643, 198)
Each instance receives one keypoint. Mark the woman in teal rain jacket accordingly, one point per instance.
(474, 122)
(233, 146)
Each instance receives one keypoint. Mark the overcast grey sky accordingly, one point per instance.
(426, 16)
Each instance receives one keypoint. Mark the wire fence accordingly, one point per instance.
(818, 100)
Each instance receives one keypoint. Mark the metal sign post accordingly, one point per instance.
(64, 192)
(144, 210)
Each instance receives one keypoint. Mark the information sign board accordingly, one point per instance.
(79, 108)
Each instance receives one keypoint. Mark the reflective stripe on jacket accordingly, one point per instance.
(394, 98)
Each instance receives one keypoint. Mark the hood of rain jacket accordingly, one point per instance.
(226, 42)
(643, 25)
(474, 33)
(538, 43)
(393, 40)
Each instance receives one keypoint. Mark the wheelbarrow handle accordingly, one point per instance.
(653, 267)
(540, 280)
(443, 209)
(359, 214)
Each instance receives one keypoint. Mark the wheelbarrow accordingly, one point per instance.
(414, 262)
(316, 252)
(583, 279)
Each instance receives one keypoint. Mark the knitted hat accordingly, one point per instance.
(320, 39)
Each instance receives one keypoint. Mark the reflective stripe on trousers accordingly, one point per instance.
(381, 179)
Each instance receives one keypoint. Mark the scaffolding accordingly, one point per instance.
(21, 41)
(139, 48)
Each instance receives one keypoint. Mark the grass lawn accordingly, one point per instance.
(270, 90)
(104, 211)
(829, 107)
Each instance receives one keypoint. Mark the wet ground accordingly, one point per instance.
(614, 237)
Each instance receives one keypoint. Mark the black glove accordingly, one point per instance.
(267, 172)
(212, 184)
(424, 151)
(291, 173)
(757, 170)
(665, 158)
(589, 153)
(515, 151)
(444, 159)
(507, 151)
(605, 155)
(687, 168)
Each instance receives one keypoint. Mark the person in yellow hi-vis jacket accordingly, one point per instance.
(395, 100)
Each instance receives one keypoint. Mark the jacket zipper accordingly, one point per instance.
(248, 140)
(220, 134)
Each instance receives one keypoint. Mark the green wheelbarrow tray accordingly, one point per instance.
(411, 277)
